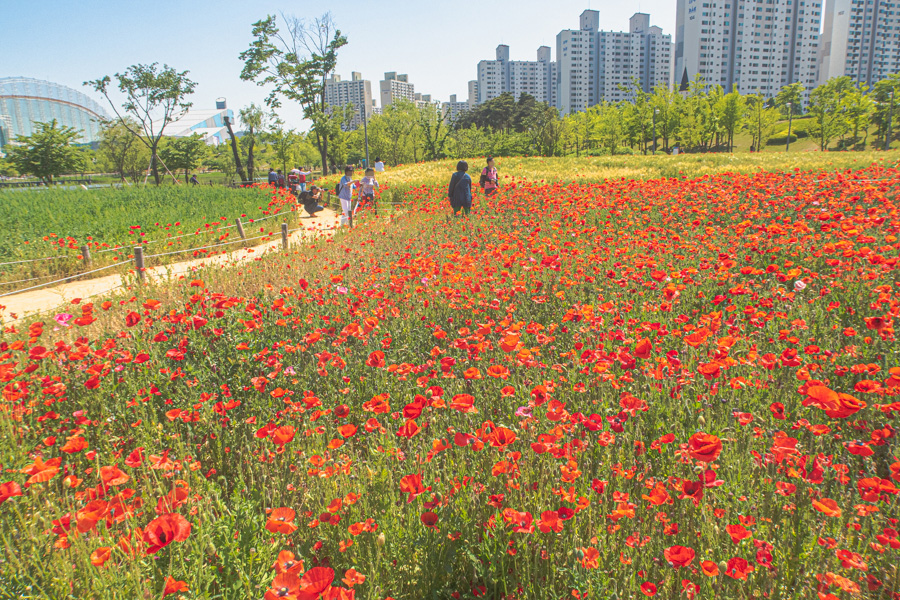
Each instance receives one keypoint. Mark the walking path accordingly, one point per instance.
(46, 299)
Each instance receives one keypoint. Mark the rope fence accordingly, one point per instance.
(40, 285)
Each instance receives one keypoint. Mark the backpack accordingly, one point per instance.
(337, 190)
(302, 178)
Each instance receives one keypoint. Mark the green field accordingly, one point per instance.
(56, 223)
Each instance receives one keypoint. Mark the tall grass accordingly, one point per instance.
(111, 221)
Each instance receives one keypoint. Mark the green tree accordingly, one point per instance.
(609, 125)
(122, 151)
(296, 64)
(153, 98)
(545, 130)
(827, 110)
(790, 99)
(432, 121)
(760, 120)
(183, 154)
(46, 153)
(886, 100)
(667, 102)
(283, 142)
(254, 121)
(732, 114)
(857, 107)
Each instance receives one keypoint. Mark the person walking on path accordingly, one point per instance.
(345, 192)
(273, 177)
(301, 177)
(460, 189)
(489, 178)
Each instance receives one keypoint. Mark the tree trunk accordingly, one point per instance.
(250, 165)
(234, 150)
(154, 166)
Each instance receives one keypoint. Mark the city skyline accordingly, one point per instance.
(207, 37)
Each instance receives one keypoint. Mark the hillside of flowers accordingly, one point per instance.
(681, 388)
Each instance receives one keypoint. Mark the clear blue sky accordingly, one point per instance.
(437, 43)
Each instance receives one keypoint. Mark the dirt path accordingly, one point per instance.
(48, 298)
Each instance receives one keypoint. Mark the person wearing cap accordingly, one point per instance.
(460, 190)
(489, 178)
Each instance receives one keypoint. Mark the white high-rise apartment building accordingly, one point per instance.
(453, 109)
(757, 45)
(517, 77)
(396, 87)
(473, 93)
(357, 91)
(860, 39)
(593, 65)
(492, 76)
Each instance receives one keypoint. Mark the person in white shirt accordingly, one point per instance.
(379, 166)
(367, 187)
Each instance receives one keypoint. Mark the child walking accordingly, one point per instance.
(367, 189)
(345, 193)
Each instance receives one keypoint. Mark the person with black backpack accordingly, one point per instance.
(460, 190)
(489, 179)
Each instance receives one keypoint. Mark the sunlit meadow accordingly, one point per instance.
(679, 385)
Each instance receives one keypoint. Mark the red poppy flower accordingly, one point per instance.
(287, 563)
(100, 556)
(679, 556)
(283, 435)
(8, 490)
(173, 586)
(738, 568)
(164, 530)
(704, 447)
(281, 520)
(429, 519)
(648, 589)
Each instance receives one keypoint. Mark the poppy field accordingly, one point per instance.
(681, 387)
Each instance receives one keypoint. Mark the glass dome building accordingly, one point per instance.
(25, 101)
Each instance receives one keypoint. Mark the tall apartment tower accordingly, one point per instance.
(396, 87)
(473, 93)
(357, 91)
(492, 75)
(757, 45)
(859, 41)
(453, 109)
(594, 65)
(517, 77)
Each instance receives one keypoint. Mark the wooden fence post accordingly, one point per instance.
(284, 235)
(240, 228)
(139, 262)
(86, 254)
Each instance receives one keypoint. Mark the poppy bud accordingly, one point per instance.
(579, 554)
(698, 469)
(723, 566)
(701, 421)
(379, 541)
(211, 550)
